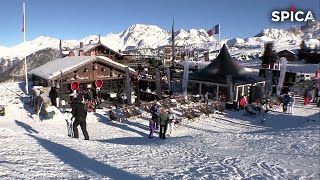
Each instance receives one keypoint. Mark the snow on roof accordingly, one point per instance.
(288, 51)
(88, 47)
(53, 68)
(115, 63)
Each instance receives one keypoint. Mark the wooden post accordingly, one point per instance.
(268, 84)
(158, 82)
(237, 92)
(61, 89)
(127, 85)
(200, 89)
(217, 94)
(230, 86)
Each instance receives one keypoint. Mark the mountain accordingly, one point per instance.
(16, 72)
(151, 36)
(290, 39)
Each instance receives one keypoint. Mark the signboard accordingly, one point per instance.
(74, 85)
(98, 83)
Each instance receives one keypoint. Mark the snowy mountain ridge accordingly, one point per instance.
(151, 36)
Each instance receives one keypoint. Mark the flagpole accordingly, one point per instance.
(25, 57)
(219, 38)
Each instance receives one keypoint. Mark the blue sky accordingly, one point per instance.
(76, 19)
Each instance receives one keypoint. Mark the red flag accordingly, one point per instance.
(23, 9)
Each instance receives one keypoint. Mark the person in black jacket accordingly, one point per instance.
(53, 94)
(79, 112)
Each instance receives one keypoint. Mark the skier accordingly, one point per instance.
(155, 111)
(206, 98)
(172, 119)
(164, 117)
(286, 100)
(290, 104)
(151, 127)
(79, 112)
(306, 97)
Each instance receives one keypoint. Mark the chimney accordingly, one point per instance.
(81, 44)
(71, 53)
(119, 51)
(81, 53)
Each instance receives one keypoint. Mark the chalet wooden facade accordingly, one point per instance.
(85, 70)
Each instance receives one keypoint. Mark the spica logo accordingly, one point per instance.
(292, 15)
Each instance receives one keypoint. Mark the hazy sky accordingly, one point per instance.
(76, 19)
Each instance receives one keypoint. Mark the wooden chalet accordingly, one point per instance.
(96, 49)
(289, 55)
(85, 70)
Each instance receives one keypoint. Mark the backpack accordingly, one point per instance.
(286, 99)
(155, 111)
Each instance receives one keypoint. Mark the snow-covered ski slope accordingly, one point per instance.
(228, 146)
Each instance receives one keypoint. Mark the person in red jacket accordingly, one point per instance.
(242, 102)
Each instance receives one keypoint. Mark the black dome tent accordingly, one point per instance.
(226, 75)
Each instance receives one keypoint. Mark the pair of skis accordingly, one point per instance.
(69, 119)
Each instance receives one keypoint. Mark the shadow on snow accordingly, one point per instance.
(26, 127)
(83, 163)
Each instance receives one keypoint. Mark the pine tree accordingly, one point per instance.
(269, 55)
(304, 51)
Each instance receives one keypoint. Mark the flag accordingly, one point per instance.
(283, 63)
(23, 9)
(214, 30)
(185, 77)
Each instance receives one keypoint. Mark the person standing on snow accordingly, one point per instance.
(286, 100)
(155, 112)
(154, 118)
(242, 102)
(172, 120)
(53, 94)
(291, 104)
(151, 127)
(164, 118)
(79, 112)
(206, 98)
(306, 97)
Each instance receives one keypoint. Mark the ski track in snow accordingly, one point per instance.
(228, 146)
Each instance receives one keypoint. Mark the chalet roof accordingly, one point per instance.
(89, 47)
(287, 51)
(51, 70)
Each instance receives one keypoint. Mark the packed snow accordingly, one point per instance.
(230, 146)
